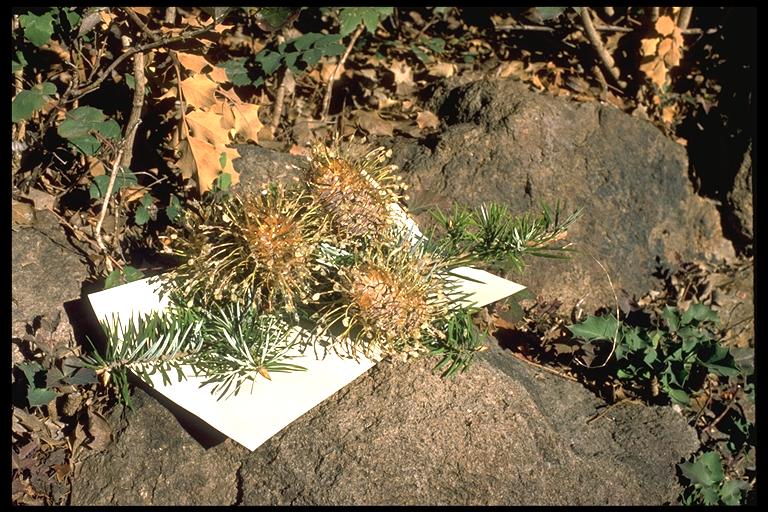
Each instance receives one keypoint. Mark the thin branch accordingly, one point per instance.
(599, 28)
(140, 81)
(170, 15)
(655, 11)
(107, 195)
(149, 46)
(143, 26)
(594, 38)
(685, 18)
(277, 110)
(327, 99)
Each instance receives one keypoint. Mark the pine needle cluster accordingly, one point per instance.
(331, 251)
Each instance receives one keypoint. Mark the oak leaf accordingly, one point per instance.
(203, 160)
(192, 62)
(665, 25)
(207, 126)
(247, 123)
(199, 91)
(648, 46)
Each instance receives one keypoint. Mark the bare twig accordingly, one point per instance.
(140, 82)
(532, 28)
(685, 18)
(143, 26)
(594, 38)
(609, 11)
(599, 28)
(107, 195)
(610, 408)
(149, 46)
(277, 109)
(712, 425)
(170, 15)
(655, 11)
(327, 98)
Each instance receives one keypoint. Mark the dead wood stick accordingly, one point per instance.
(685, 17)
(594, 38)
(170, 15)
(277, 109)
(599, 28)
(140, 81)
(655, 11)
(327, 98)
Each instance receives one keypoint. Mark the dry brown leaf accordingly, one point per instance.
(536, 81)
(427, 119)
(664, 47)
(402, 71)
(298, 150)
(656, 71)
(208, 126)
(41, 200)
(327, 70)
(100, 431)
(192, 62)
(199, 91)
(62, 471)
(672, 58)
(372, 123)
(142, 11)
(203, 159)
(665, 25)
(306, 131)
(668, 113)
(510, 68)
(369, 73)
(677, 36)
(648, 46)
(442, 69)
(106, 18)
(247, 123)
(218, 75)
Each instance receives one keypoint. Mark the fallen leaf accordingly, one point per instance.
(648, 46)
(442, 69)
(307, 131)
(62, 471)
(247, 123)
(207, 126)
(132, 193)
(402, 72)
(99, 430)
(203, 160)
(199, 91)
(218, 75)
(665, 25)
(298, 150)
(664, 47)
(142, 11)
(369, 73)
(372, 123)
(41, 200)
(327, 70)
(510, 68)
(383, 101)
(656, 71)
(672, 58)
(192, 62)
(536, 81)
(427, 119)
(668, 113)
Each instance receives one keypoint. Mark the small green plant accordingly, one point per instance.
(673, 358)
(497, 239)
(708, 484)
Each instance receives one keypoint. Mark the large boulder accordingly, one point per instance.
(46, 272)
(507, 144)
(502, 433)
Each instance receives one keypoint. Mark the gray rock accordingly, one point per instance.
(502, 433)
(47, 271)
(740, 199)
(507, 144)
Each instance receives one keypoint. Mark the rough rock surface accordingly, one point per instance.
(502, 433)
(740, 199)
(46, 272)
(507, 144)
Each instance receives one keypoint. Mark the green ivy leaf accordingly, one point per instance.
(131, 274)
(81, 121)
(173, 210)
(118, 277)
(595, 328)
(82, 377)
(423, 57)
(718, 360)
(678, 396)
(275, 17)
(706, 470)
(27, 102)
(30, 369)
(351, 17)
(700, 313)
(671, 318)
(236, 71)
(268, 60)
(549, 13)
(305, 41)
(73, 18)
(436, 44)
(141, 216)
(37, 29)
(19, 63)
(98, 188)
(40, 396)
(732, 490)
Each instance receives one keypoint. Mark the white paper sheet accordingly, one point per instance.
(261, 410)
